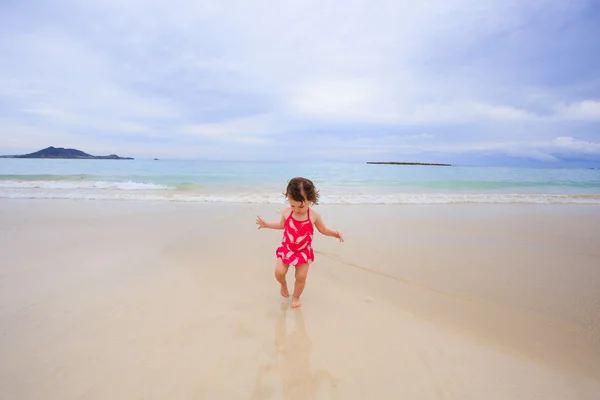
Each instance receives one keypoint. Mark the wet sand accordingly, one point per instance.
(138, 300)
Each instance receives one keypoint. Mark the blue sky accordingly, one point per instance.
(472, 82)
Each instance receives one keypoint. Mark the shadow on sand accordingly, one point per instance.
(293, 364)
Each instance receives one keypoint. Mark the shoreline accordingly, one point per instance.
(237, 196)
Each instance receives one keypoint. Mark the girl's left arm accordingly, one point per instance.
(325, 230)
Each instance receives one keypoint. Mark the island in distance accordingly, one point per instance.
(407, 163)
(60, 152)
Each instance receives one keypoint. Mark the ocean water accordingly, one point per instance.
(264, 182)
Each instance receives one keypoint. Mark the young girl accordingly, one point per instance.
(297, 222)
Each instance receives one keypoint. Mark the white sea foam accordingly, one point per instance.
(139, 192)
(116, 185)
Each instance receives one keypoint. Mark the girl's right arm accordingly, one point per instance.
(271, 225)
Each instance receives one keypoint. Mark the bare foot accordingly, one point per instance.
(296, 302)
(284, 290)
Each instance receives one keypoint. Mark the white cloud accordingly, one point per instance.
(582, 110)
(334, 100)
(501, 112)
(65, 80)
(245, 130)
(546, 151)
(549, 150)
(574, 145)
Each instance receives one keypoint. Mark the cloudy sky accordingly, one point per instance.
(471, 81)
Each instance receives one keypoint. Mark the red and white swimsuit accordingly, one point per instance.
(296, 247)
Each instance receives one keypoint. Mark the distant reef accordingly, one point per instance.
(407, 163)
(60, 152)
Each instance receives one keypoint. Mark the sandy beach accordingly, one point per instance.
(128, 300)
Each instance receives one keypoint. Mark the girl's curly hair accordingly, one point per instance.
(302, 189)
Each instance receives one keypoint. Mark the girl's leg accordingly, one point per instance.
(301, 273)
(281, 270)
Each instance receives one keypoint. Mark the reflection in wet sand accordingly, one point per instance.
(293, 362)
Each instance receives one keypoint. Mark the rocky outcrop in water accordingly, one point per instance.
(407, 163)
(60, 152)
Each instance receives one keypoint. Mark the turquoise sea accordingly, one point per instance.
(264, 182)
